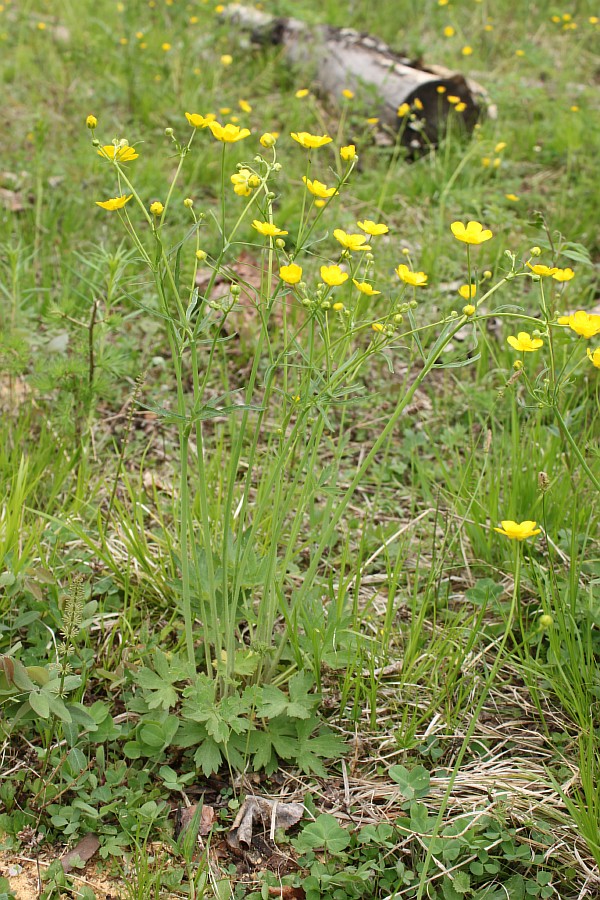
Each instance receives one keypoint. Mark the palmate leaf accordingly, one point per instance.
(208, 756)
(324, 745)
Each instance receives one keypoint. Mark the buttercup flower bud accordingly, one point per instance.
(157, 208)
(268, 139)
(518, 364)
(188, 202)
(169, 132)
(235, 290)
(535, 251)
(91, 122)
(469, 310)
(546, 621)
(280, 243)
(201, 255)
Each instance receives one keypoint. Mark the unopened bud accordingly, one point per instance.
(201, 255)
(546, 621)
(235, 290)
(188, 202)
(280, 243)
(169, 132)
(535, 251)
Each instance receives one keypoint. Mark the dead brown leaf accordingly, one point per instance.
(270, 813)
(82, 852)
(287, 892)
(207, 819)
(12, 200)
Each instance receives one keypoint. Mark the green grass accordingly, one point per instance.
(306, 590)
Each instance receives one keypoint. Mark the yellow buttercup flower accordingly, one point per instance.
(365, 288)
(198, 121)
(403, 110)
(333, 275)
(120, 154)
(594, 356)
(467, 291)
(267, 229)
(472, 233)
(243, 182)
(524, 342)
(91, 122)
(157, 208)
(348, 153)
(351, 241)
(585, 324)
(244, 106)
(452, 98)
(291, 274)
(543, 271)
(226, 59)
(318, 189)
(302, 93)
(499, 146)
(449, 31)
(114, 202)
(373, 228)
(512, 197)
(417, 279)
(311, 141)
(228, 134)
(348, 94)
(518, 531)
(467, 51)
(460, 107)
(377, 326)
(563, 274)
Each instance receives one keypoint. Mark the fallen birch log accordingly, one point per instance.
(338, 59)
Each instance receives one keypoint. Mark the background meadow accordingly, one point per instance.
(247, 532)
